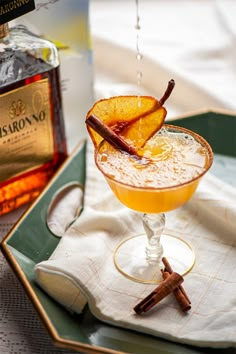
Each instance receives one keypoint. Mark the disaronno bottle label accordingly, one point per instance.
(26, 136)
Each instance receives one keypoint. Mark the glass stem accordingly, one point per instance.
(154, 225)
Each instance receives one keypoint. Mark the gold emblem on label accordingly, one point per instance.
(17, 108)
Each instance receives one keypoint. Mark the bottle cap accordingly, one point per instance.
(11, 9)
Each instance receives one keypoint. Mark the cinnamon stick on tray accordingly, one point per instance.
(165, 288)
(179, 293)
(171, 284)
(181, 299)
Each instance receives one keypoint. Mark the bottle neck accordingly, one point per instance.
(4, 30)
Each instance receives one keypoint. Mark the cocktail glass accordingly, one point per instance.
(139, 257)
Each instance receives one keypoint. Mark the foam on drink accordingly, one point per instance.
(170, 158)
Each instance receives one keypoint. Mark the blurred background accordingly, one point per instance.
(192, 42)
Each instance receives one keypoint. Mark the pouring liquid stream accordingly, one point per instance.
(139, 55)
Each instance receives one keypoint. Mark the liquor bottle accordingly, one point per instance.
(32, 131)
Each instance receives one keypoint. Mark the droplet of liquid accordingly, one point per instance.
(139, 56)
(139, 77)
(137, 26)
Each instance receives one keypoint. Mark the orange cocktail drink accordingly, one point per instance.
(167, 175)
(151, 168)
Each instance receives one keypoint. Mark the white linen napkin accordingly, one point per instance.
(81, 268)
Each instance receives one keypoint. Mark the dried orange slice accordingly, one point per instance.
(140, 131)
(134, 118)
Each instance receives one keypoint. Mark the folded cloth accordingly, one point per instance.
(81, 268)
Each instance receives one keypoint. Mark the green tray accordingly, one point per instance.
(27, 245)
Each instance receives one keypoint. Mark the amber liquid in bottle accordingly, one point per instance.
(24, 185)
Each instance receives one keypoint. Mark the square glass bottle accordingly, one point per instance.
(32, 132)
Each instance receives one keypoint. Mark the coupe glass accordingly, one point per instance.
(139, 257)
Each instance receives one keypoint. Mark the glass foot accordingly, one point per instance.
(130, 258)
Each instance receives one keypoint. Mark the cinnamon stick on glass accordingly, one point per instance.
(111, 137)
